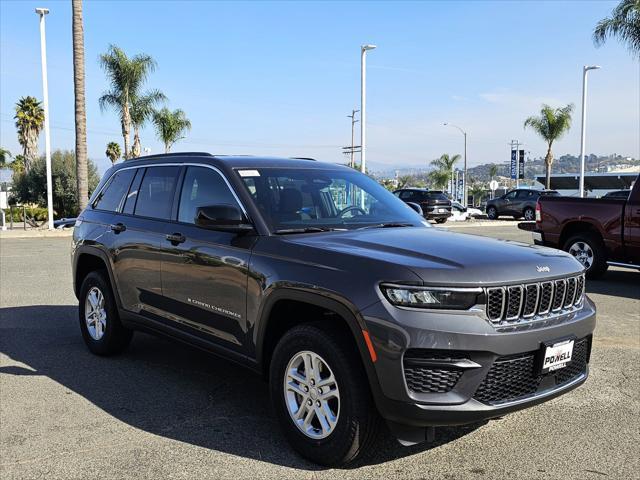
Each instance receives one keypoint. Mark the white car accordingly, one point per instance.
(461, 214)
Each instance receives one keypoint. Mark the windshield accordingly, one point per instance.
(299, 198)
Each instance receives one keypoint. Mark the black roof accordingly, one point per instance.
(234, 161)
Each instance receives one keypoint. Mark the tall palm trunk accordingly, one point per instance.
(30, 149)
(80, 110)
(137, 148)
(548, 160)
(126, 128)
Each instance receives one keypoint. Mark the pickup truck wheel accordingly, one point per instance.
(98, 314)
(321, 396)
(529, 214)
(492, 213)
(588, 249)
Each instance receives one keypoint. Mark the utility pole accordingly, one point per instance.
(353, 125)
(363, 105)
(585, 70)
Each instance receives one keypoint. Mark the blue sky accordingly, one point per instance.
(279, 78)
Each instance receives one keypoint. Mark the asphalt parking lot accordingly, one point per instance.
(162, 410)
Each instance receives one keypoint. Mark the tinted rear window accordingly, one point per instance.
(437, 196)
(550, 194)
(155, 197)
(111, 196)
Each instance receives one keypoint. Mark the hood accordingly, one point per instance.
(441, 257)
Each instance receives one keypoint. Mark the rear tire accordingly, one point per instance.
(100, 324)
(356, 421)
(492, 213)
(529, 214)
(589, 250)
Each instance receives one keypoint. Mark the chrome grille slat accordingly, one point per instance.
(530, 301)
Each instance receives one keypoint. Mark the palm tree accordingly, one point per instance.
(624, 23)
(476, 190)
(5, 155)
(444, 169)
(126, 76)
(493, 171)
(29, 122)
(82, 179)
(170, 126)
(550, 125)
(142, 109)
(113, 152)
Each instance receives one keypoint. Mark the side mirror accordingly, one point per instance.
(416, 207)
(223, 218)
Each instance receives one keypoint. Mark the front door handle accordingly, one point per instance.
(118, 227)
(176, 238)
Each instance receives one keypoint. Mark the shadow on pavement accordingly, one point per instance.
(165, 388)
(617, 283)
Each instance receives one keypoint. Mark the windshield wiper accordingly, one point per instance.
(285, 231)
(387, 225)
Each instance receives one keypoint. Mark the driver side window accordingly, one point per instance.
(510, 195)
(202, 187)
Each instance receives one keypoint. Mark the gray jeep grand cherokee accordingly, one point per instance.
(356, 311)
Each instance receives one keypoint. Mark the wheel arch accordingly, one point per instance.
(577, 227)
(270, 329)
(89, 259)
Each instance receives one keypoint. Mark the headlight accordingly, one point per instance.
(430, 297)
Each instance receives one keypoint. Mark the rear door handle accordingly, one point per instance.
(118, 227)
(176, 238)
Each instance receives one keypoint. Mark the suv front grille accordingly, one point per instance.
(505, 305)
(513, 377)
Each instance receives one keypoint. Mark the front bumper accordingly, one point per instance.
(472, 347)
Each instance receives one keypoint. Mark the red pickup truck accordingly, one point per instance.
(597, 231)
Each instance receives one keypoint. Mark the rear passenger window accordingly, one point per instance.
(155, 196)
(202, 187)
(110, 197)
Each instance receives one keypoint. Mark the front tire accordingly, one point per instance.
(321, 396)
(492, 213)
(589, 250)
(100, 324)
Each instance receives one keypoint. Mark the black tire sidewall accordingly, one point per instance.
(115, 336)
(344, 443)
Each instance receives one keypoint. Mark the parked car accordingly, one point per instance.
(624, 194)
(434, 203)
(354, 309)
(517, 203)
(597, 231)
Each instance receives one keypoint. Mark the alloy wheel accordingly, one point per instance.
(312, 395)
(95, 314)
(583, 252)
(529, 214)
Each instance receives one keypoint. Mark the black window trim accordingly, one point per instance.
(174, 164)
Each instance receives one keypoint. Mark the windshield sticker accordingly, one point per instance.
(249, 173)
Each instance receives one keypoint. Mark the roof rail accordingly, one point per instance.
(174, 154)
(303, 158)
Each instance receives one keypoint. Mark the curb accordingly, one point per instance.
(7, 234)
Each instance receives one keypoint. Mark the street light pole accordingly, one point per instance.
(353, 128)
(464, 183)
(585, 70)
(363, 105)
(45, 100)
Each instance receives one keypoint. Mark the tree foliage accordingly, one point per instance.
(31, 187)
(127, 77)
(443, 170)
(142, 109)
(29, 122)
(624, 24)
(170, 126)
(113, 152)
(551, 124)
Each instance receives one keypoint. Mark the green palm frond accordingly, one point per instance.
(170, 126)
(624, 24)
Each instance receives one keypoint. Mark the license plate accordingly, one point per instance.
(557, 356)
(442, 210)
